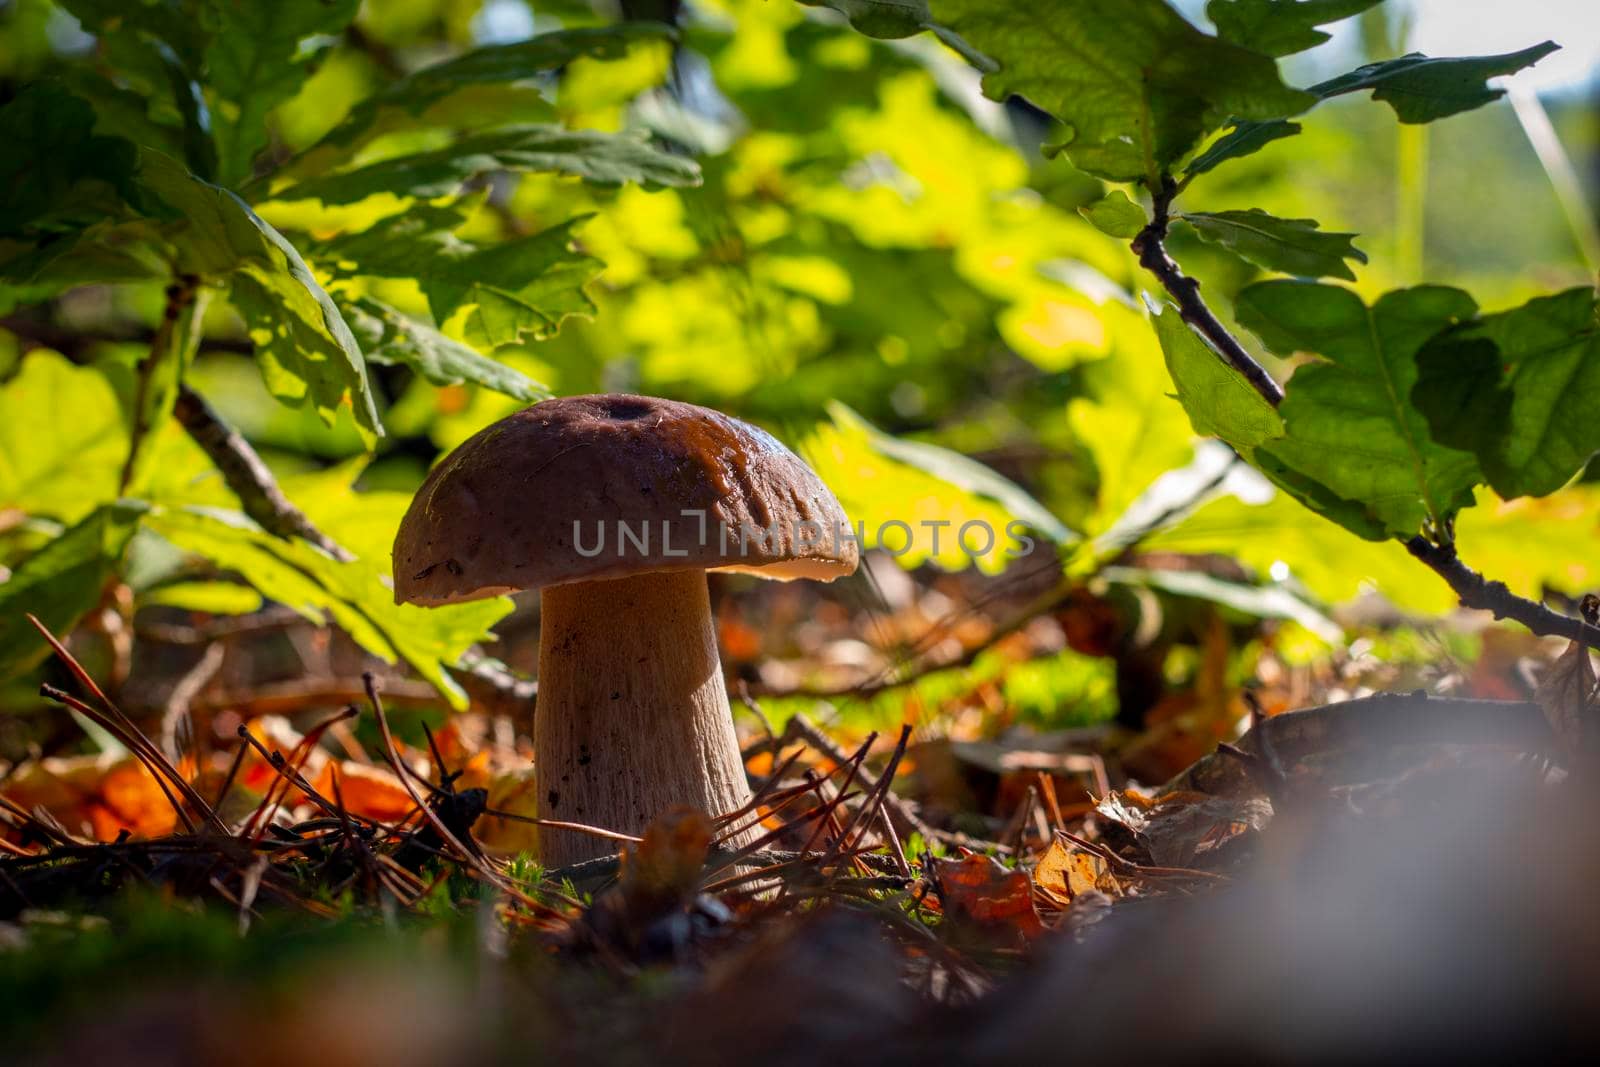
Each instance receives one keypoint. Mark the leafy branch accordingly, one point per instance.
(1471, 588)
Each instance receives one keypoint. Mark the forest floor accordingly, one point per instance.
(1394, 873)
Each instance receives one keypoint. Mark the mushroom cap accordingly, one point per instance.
(523, 503)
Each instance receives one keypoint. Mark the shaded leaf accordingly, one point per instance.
(1521, 389)
(891, 20)
(1176, 828)
(389, 337)
(1421, 89)
(1293, 246)
(1220, 403)
(1135, 84)
(1352, 430)
(1116, 215)
(56, 176)
(593, 155)
(1280, 27)
(256, 59)
(1243, 140)
(60, 583)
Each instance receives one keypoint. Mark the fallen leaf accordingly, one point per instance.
(1568, 691)
(663, 870)
(1065, 873)
(981, 889)
(1178, 826)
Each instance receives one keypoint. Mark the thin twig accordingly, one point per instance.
(247, 475)
(1150, 247)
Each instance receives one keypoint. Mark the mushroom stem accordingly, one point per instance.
(633, 717)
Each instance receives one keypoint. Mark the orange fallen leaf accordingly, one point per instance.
(1064, 873)
(979, 888)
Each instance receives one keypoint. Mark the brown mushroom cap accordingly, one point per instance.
(497, 515)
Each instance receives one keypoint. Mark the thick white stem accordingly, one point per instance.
(632, 714)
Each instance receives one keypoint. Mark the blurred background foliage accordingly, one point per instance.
(879, 266)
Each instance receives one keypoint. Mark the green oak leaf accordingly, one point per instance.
(1242, 140)
(258, 57)
(1292, 246)
(507, 291)
(957, 470)
(425, 96)
(304, 347)
(62, 438)
(1219, 402)
(61, 583)
(1135, 84)
(1115, 215)
(1522, 390)
(57, 176)
(1419, 88)
(355, 595)
(390, 337)
(1352, 430)
(891, 20)
(593, 155)
(1280, 27)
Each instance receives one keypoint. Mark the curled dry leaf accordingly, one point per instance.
(979, 888)
(1178, 826)
(1569, 693)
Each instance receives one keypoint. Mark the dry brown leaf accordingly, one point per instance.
(1178, 826)
(664, 869)
(1568, 692)
(979, 888)
(1065, 873)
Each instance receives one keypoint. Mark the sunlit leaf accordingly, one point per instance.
(1220, 403)
(62, 439)
(421, 98)
(525, 286)
(353, 595)
(891, 20)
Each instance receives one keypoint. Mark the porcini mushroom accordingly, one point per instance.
(615, 507)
